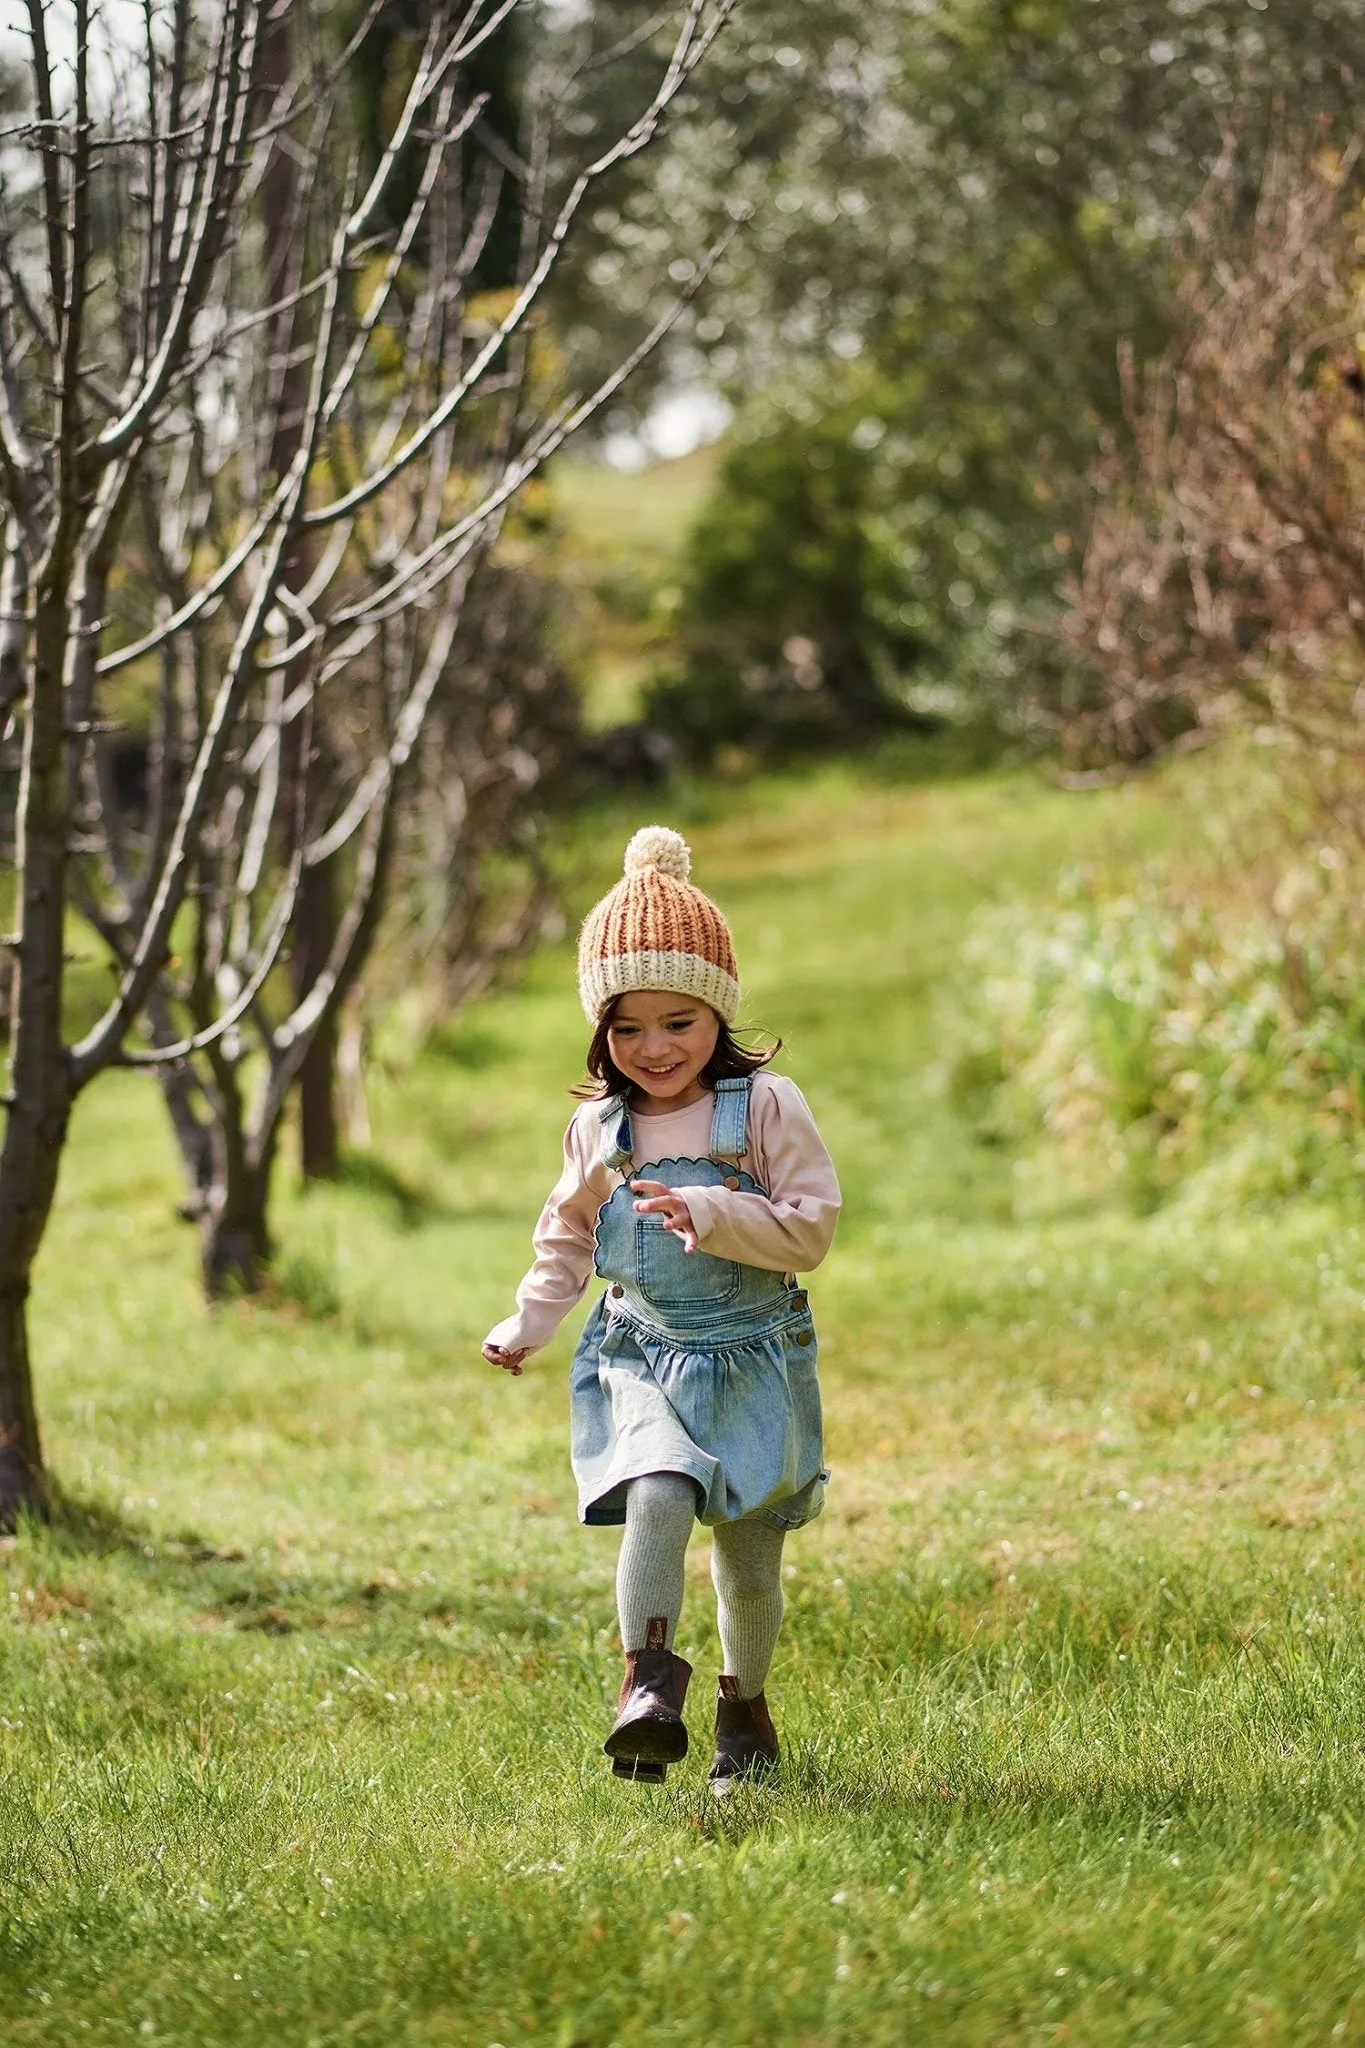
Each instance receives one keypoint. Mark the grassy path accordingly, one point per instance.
(301, 1700)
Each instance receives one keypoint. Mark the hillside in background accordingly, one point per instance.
(620, 535)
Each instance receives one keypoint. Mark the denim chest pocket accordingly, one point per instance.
(673, 1278)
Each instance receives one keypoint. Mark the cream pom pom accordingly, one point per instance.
(657, 846)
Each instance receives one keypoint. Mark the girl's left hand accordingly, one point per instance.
(510, 1361)
(669, 1204)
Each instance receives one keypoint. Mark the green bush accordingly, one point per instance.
(860, 565)
(788, 629)
(1156, 1038)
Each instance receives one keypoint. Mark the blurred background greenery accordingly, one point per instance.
(961, 214)
(1041, 344)
(1020, 420)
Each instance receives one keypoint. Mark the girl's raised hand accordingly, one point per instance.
(668, 1203)
(510, 1361)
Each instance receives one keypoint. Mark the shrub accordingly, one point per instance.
(1156, 1038)
(866, 560)
(786, 631)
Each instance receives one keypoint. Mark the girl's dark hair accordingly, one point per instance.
(728, 1062)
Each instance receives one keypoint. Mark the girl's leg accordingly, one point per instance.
(746, 1567)
(648, 1734)
(660, 1511)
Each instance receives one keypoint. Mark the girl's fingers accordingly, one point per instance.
(677, 1216)
(664, 1201)
(510, 1361)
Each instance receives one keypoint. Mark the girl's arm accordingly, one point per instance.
(789, 1229)
(563, 1245)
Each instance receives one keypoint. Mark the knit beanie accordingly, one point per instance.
(655, 931)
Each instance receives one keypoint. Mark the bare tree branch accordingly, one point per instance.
(688, 51)
(255, 483)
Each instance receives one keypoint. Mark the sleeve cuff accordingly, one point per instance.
(701, 1209)
(513, 1334)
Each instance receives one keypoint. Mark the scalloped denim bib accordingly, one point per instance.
(692, 1363)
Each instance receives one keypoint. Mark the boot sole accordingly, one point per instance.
(648, 1741)
(639, 1771)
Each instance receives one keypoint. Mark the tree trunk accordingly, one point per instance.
(315, 914)
(315, 924)
(23, 1482)
(236, 1243)
(351, 1080)
(236, 1247)
(184, 1098)
(39, 1074)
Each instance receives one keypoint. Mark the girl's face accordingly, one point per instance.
(661, 1043)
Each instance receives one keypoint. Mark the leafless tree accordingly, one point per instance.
(1224, 574)
(472, 885)
(266, 526)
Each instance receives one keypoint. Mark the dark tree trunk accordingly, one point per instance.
(236, 1248)
(234, 1223)
(39, 1074)
(315, 914)
(23, 1482)
(315, 924)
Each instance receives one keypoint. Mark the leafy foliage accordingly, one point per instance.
(1221, 573)
(1167, 1032)
(976, 204)
(790, 627)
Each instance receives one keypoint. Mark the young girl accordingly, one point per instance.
(697, 1187)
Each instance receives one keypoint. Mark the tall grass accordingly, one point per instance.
(1205, 1035)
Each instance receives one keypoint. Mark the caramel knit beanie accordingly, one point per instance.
(655, 931)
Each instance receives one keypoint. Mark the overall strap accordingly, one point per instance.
(730, 1124)
(617, 1139)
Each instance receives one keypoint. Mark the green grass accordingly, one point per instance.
(303, 1693)
(622, 540)
(644, 511)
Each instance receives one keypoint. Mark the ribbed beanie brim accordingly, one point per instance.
(655, 930)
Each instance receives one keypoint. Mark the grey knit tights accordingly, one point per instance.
(746, 1568)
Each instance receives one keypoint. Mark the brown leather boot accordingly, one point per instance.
(746, 1741)
(648, 1733)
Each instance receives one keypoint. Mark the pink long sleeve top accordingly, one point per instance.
(788, 1230)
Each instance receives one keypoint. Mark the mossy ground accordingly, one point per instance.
(302, 1693)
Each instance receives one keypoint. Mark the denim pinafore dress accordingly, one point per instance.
(690, 1363)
